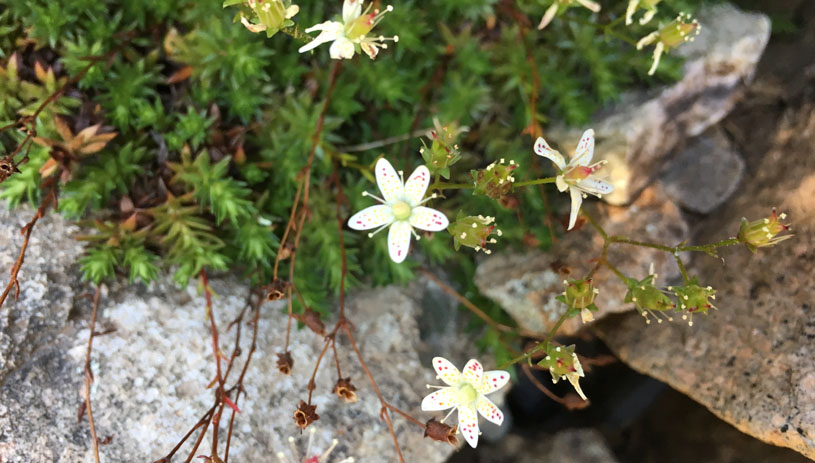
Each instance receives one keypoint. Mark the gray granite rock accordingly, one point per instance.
(704, 174)
(46, 288)
(526, 285)
(751, 361)
(636, 135)
(151, 376)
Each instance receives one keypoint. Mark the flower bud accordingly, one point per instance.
(761, 233)
(473, 232)
(345, 390)
(562, 362)
(680, 30)
(285, 363)
(441, 432)
(443, 152)
(693, 298)
(579, 297)
(648, 299)
(305, 415)
(495, 180)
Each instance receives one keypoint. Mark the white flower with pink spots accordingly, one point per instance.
(465, 392)
(401, 209)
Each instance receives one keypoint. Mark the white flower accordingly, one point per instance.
(401, 209)
(310, 454)
(577, 176)
(351, 32)
(465, 392)
(562, 5)
(586, 315)
(682, 29)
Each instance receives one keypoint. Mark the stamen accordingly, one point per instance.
(371, 235)
(365, 193)
(325, 454)
(450, 413)
(433, 196)
(311, 432)
(293, 449)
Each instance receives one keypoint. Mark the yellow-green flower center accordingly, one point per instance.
(466, 394)
(401, 210)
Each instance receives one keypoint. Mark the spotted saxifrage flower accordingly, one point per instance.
(401, 209)
(465, 392)
(352, 34)
(578, 176)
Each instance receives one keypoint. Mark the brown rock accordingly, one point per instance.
(750, 362)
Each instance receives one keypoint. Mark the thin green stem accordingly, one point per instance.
(644, 244)
(616, 271)
(450, 186)
(537, 181)
(541, 345)
(710, 247)
(681, 266)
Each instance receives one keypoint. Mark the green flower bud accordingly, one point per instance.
(693, 298)
(579, 297)
(761, 233)
(562, 362)
(648, 299)
(495, 180)
(443, 152)
(473, 232)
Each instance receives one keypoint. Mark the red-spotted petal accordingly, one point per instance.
(489, 411)
(388, 180)
(399, 241)
(468, 424)
(542, 148)
(441, 399)
(473, 372)
(585, 149)
(371, 217)
(416, 185)
(493, 380)
(425, 218)
(446, 371)
(595, 186)
(577, 201)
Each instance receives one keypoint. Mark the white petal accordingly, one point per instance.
(328, 34)
(593, 6)
(370, 49)
(577, 200)
(425, 218)
(446, 371)
(542, 148)
(416, 185)
(342, 48)
(351, 9)
(489, 411)
(388, 181)
(468, 424)
(548, 16)
(574, 378)
(585, 149)
(399, 241)
(660, 47)
(473, 372)
(292, 11)
(595, 186)
(441, 399)
(561, 184)
(630, 10)
(371, 217)
(493, 380)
